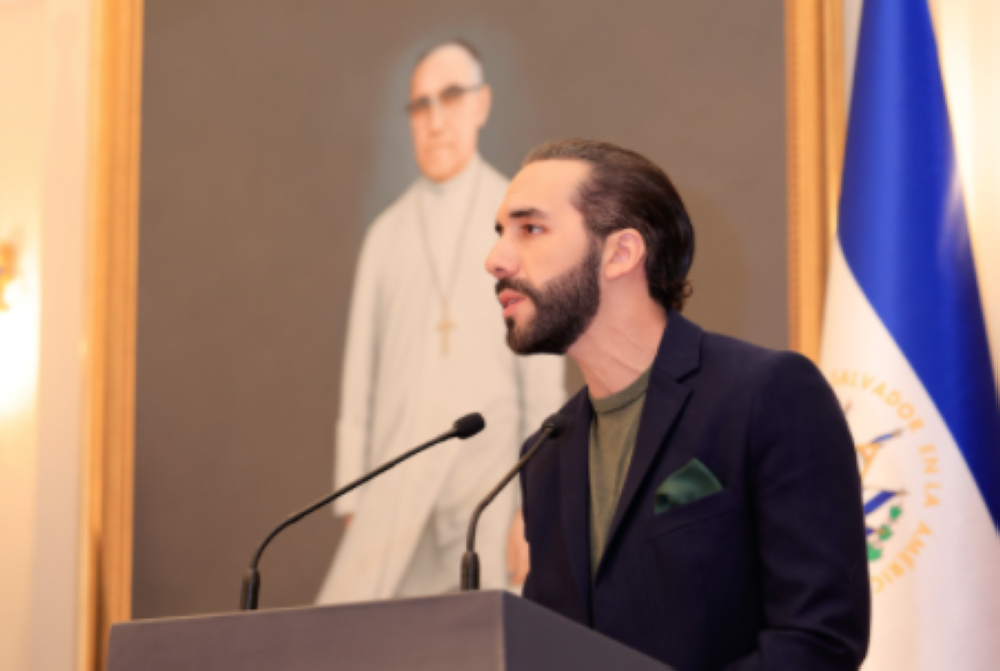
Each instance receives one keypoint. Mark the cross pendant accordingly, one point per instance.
(445, 328)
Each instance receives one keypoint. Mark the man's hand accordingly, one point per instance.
(518, 561)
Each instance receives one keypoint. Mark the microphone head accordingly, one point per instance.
(555, 425)
(470, 425)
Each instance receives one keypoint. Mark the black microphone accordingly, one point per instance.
(551, 428)
(463, 428)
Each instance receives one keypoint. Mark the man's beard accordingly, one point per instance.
(564, 308)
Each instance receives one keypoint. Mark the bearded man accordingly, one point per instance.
(705, 506)
(422, 350)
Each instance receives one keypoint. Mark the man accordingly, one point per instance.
(423, 348)
(704, 508)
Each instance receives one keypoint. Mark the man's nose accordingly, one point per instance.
(435, 116)
(502, 262)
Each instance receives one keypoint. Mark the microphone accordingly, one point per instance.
(552, 427)
(464, 427)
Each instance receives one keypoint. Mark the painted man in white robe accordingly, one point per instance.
(424, 346)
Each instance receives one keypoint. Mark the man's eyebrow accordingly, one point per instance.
(527, 213)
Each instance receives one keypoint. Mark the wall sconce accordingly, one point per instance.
(20, 323)
(8, 270)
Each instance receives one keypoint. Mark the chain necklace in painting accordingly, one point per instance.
(444, 293)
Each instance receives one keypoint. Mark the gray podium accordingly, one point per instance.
(478, 630)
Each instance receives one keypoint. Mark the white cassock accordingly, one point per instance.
(400, 388)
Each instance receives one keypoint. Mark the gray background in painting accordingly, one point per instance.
(273, 132)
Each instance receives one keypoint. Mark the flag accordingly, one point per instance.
(905, 349)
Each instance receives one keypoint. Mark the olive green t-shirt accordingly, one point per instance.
(612, 439)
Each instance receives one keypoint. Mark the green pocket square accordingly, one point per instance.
(689, 483)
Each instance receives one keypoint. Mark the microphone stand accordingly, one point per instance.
(551, 428)
(249, 593)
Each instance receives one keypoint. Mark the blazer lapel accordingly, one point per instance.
(574, 480)
(678, 355)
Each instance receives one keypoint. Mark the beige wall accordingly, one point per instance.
(44, 50)
(969, 40)
(968, 33)
(21, 69)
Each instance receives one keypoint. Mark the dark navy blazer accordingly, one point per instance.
(769, 573)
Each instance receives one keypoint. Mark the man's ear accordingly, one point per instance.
(485, 103)
(625, 250)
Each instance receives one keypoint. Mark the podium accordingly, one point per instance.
(475, 630)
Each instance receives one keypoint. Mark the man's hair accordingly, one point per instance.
(464, 45)
(627, 190)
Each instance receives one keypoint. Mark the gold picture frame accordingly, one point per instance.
(111, 324)
(816, 129)
(815, 139)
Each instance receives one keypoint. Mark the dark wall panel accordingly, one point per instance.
(273, 132)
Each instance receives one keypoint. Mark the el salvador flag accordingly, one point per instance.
(905, 348)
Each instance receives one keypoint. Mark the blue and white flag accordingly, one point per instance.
(905, 348)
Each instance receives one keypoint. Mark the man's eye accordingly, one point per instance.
(419, 106)
(452, 94)
(532, 229)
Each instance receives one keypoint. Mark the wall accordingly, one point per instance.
(44, 57)
(272, 134)
(22, 64)
(969, 41)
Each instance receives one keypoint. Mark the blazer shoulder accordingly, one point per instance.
(753, 363)
(781, 388)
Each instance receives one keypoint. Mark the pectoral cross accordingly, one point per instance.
(445, 328)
